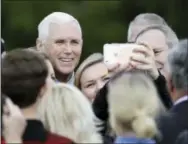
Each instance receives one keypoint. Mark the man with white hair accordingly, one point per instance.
(60, 37)
(177, 80)
(152, 30)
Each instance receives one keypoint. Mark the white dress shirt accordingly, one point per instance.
(180, 100)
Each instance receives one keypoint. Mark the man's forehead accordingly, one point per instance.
(65, 29)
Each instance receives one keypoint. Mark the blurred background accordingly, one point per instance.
(101, 21)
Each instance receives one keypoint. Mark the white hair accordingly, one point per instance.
(67, 112)
(57, 18)
(177, 65)
(148, 21)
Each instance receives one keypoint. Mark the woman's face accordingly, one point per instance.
(93, 79)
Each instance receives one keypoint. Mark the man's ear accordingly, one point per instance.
(39, 45)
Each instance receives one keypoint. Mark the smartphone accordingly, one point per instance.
(118, 53)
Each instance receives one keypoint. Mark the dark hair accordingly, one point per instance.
(34, 49)
(23, 75)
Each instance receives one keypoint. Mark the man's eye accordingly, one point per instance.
(74, 42)
(60, 41)
(156, 52)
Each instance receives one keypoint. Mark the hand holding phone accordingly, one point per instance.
(119, 54)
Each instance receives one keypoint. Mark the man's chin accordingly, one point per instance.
(66, 71)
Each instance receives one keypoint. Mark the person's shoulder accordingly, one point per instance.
(57, 139)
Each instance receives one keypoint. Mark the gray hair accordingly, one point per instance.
(178, 67)
(147, 21)
(57, 18)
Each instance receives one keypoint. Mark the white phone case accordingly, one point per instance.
(120, 53)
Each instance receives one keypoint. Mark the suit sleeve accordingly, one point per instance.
(100, 104)
(160, 84)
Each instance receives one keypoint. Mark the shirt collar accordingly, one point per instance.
(71, 79)
(182, 99)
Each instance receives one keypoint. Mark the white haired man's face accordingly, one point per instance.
(157, 40)
(64, 47)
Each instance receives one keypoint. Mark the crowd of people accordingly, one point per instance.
(45, 99)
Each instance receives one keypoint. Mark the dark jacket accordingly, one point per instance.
(100, 105)
(174, 123)
(36, 134)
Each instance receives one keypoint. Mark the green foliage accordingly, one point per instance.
(101, 21)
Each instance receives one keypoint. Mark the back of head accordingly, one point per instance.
(91, 60)
(147, 21)
(133, 104)
(23, 75)
(67, 112)
(178, 67)
(55, 18)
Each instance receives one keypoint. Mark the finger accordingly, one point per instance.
(145, 44)
(142, 50)
(139, 59)
(129, 68)
(113, 67)
(143, 67)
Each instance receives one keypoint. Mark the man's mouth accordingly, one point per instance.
(66, 59)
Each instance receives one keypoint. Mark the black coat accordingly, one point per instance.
(174, 123)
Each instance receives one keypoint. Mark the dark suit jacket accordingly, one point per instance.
(174, 123)
(35, 133)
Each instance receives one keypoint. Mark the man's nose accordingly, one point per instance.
(67, 48)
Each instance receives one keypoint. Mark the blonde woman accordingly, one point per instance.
(65, 111)
(91, 75)
(133, 107)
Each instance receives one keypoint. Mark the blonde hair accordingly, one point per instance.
(89, 61)
(66, 111)
(133, 105)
